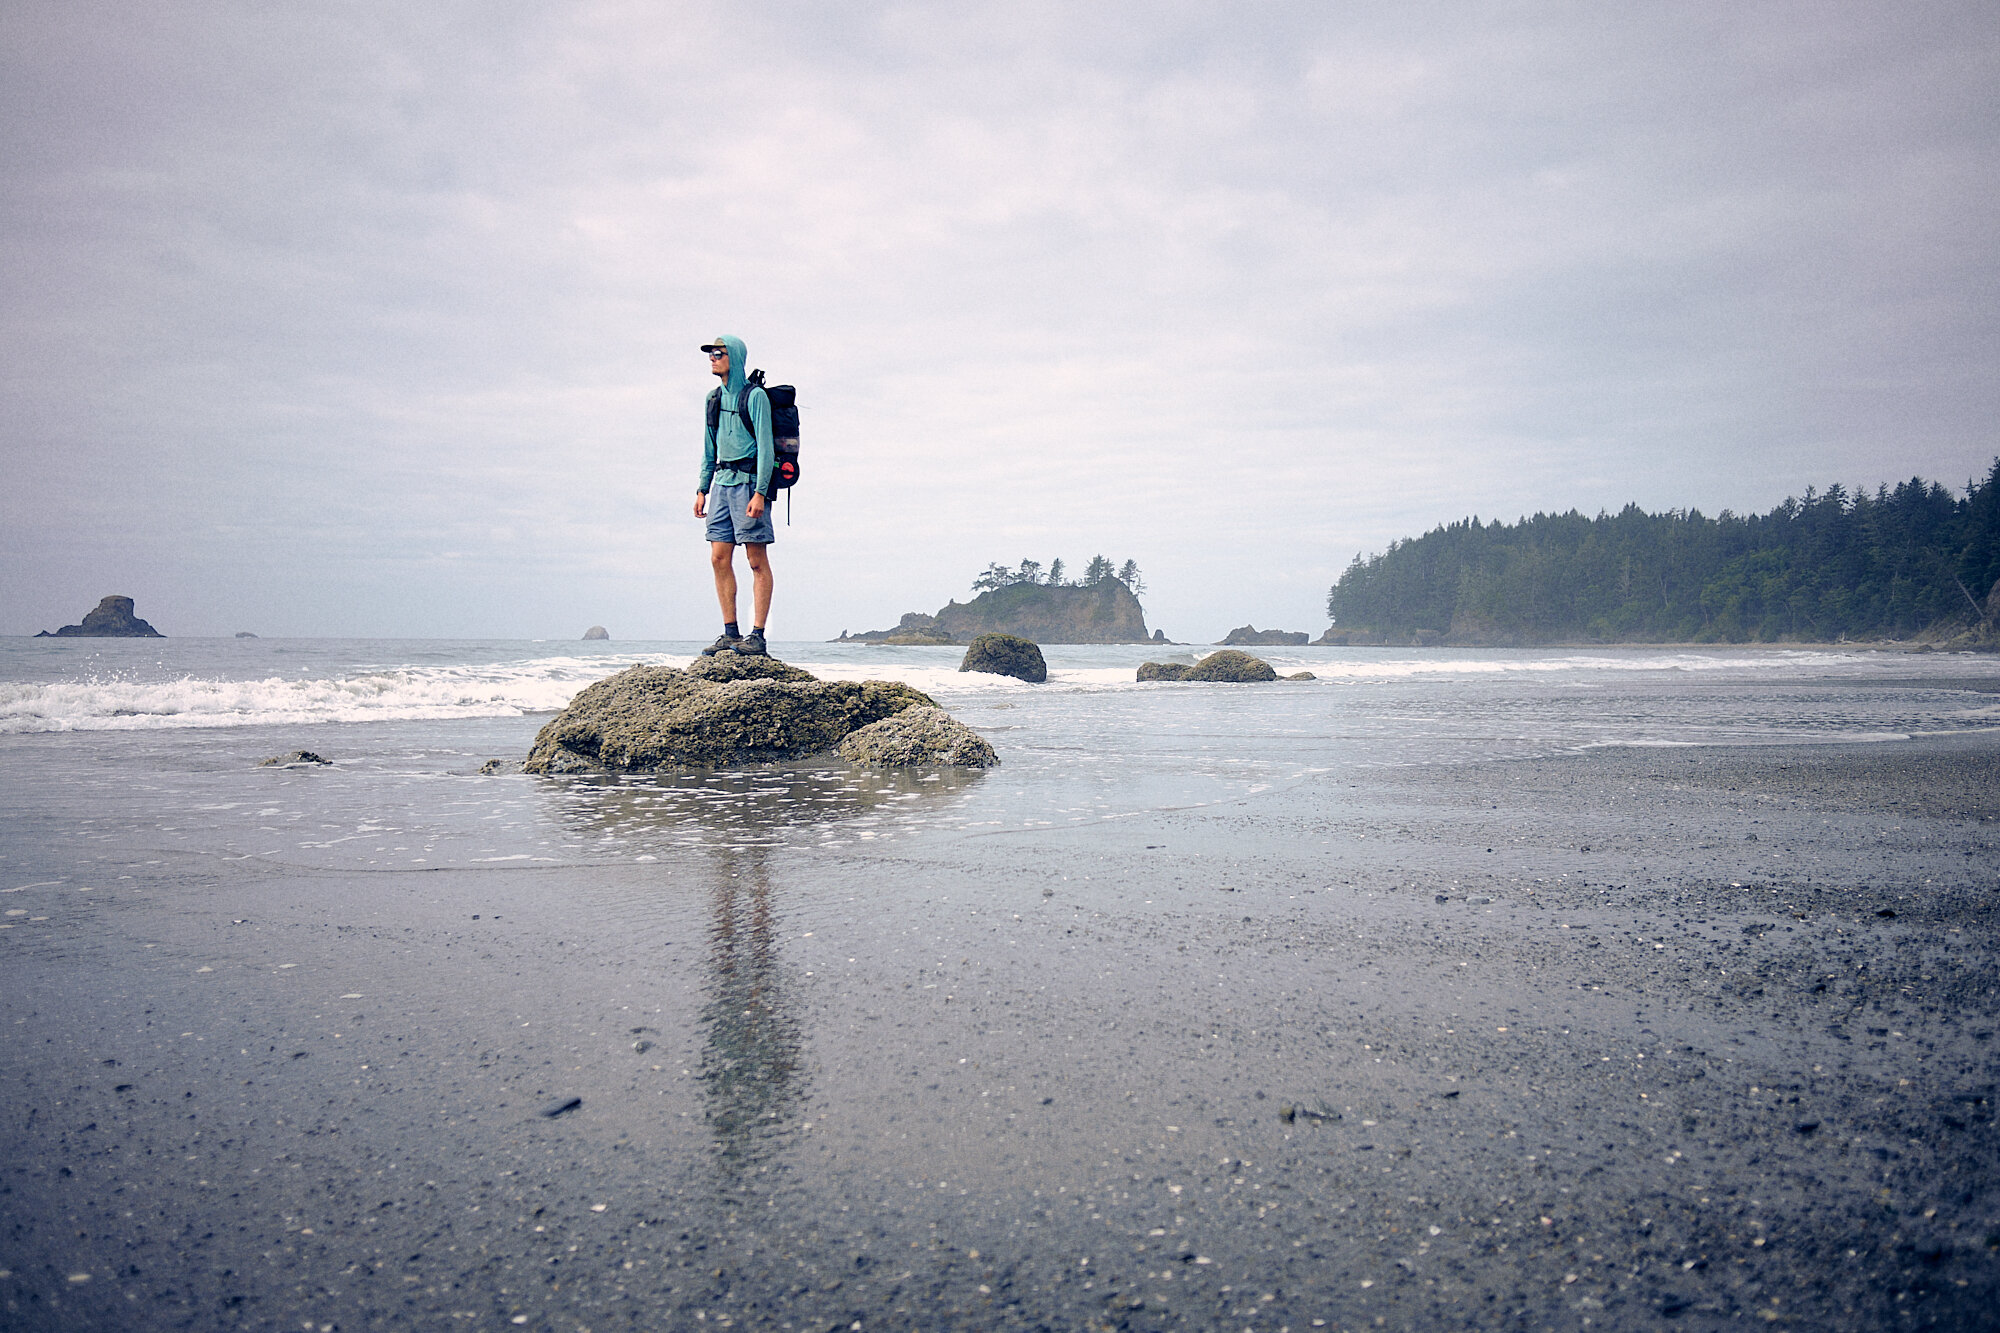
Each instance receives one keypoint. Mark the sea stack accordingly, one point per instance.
(113, 619)
(596, 632)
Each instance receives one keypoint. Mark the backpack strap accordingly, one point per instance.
(754, 380)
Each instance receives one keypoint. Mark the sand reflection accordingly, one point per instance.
(741, 838)
(751, 1053)
(760, 805)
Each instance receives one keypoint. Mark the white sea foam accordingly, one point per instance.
(949, 682)
(1391, 668)
(362, 690)
(388, 694)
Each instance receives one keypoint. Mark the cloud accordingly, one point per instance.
(382, 320)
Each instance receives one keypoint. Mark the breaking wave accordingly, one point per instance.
(387, 694)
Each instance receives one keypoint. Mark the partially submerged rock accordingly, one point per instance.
(1302, 675)
(920, 735)
(1228, 665)
(595, 633)
(1232, 666)
(1006, 655)
(293, 760)
(721, 710)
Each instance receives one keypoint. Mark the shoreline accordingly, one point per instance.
(1521, 1040)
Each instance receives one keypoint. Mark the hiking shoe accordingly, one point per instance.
(723, 645)
(751, 645)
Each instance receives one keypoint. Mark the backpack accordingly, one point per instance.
(784, 430)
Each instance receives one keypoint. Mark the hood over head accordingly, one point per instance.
(739, 357)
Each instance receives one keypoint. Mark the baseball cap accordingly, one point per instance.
(717, 346)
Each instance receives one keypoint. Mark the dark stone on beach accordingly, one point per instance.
(1233, 667)
(1163, 670)
(293, 759)
(1278, 638)
(113, 619)
(1885, 913)
(1006, 655)
(596, 632)
(721, 710)
(919, 736)
(1290, 1113)
(562, 1107)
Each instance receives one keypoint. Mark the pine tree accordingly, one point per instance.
(1129, 576)
(1056, 572)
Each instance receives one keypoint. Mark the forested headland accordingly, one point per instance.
(1912, 562)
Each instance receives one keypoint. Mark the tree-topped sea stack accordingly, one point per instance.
(1030, 603)
(736, 710)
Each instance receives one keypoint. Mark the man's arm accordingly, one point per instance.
(707, 460)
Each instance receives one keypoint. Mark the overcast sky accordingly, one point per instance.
(381, 319)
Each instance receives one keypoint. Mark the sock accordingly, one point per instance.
(729, 628)
(760, 629)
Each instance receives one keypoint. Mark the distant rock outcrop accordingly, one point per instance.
(245, 634)
(918, 736)
(1227, 666)
(113, 619)
(1005, 655)
(1250, 636)
(596, 632)
(914, 627)
(721, 710)
(1105, 612)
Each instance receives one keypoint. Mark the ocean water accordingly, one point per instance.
(156, 744)
(808, 1015)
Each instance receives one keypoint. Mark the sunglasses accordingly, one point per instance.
(717, 356)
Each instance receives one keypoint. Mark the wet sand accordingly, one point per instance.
(1630, 1039)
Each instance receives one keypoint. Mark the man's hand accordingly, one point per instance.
(701, 504)
(756, 506)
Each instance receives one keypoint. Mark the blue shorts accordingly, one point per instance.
(729, 517)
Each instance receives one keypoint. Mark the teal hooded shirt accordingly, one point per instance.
(729, 449)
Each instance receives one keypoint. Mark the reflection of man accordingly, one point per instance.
(736, 458)
(750, 1059)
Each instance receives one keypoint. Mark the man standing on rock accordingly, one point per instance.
(736, 459)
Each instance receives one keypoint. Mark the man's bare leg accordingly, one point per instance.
(722, 559)
(758, 554)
